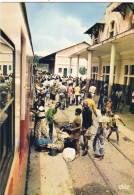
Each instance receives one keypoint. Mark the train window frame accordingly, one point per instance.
(8, 122)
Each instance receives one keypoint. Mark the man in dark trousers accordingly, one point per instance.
(49, 117)
(86, 124)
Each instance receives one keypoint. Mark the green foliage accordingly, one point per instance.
(82, 70)
(36, 60)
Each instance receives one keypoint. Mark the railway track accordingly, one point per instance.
(105, 179)
(122, 153)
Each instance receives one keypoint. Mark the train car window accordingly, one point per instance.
(7, 102)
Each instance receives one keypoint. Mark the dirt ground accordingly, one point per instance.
(52, 175)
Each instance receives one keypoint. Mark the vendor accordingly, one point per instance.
(76, 126)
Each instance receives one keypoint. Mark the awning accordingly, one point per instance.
(121, 8)
(48, 59)
(96, 27)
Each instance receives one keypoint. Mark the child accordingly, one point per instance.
(99, 140)
(114, 126)
(109, 105)
(76, 126)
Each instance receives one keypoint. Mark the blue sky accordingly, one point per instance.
(55, 26)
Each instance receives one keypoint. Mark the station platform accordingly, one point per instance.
(52, 175)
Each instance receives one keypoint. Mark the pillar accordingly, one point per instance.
(89, 69)
(112, 62)
(77, 74)
(99, 78)
(70, 67)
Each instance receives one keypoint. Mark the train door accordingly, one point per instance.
(4, 69)
(65, 72)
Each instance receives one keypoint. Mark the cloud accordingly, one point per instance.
(52, 30)
(42, 53)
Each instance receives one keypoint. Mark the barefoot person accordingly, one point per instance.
(99, 140)
(76, 126)
(49, 117)
(86, 124)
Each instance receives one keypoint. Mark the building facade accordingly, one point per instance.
(111, 54)
(63, 61)
(60, 63)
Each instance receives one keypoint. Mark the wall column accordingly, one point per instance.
(70, 67)
(99, 77)
(89, 69)
(77, 73)
(118, 69)
(112, 62)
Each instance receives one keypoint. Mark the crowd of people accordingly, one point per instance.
(64, 92)
(6, 89)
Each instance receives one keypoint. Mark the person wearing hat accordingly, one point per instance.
(99, 140)
(41, 124)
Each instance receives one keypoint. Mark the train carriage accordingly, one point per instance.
(16, 96)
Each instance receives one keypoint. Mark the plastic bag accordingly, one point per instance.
(68, 154)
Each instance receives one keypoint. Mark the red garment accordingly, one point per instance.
(70, 91)
(109, 105)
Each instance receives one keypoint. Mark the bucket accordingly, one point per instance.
(53, 152)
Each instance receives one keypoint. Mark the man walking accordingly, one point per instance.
(86, 124)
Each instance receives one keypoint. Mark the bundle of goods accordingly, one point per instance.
(59, 144)
(60, 119)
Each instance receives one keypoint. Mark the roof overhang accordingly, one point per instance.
(82, 53)
(96, 27)
(48, 59)
(121, 8)
(124, 45)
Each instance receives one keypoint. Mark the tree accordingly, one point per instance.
(82, 70)
(36, 60)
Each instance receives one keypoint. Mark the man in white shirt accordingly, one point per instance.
(92, 90)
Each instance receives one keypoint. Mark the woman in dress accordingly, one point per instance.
(99, 140)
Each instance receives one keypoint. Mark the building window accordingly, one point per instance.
(103, 69)
(7, 113)
(60, 70)
(10, 67)
(107, 69)
(114, 69)
(132, 70)
(71, 70)
(0, 67)
(112, 28)
(126, 70)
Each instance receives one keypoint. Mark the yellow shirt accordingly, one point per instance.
(91, 105)
(77, 91)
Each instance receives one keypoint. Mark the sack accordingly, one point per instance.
(68, 154)
(69, 143)
(59, 144)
